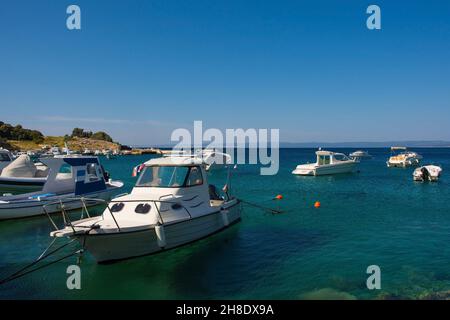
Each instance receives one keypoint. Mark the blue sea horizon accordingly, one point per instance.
(376, 216)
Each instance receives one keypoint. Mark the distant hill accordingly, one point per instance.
(74, 144)
(19, 138)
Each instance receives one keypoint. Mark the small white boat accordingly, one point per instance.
(172, 204)
(23, 175)
(401, 157)
(55, 151)
(360, 154)
(327, 163)
(87, 152)
(6, 158)
(68, 178)
(427, 173)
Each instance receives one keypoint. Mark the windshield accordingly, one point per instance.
(340, 157)
(169, 177)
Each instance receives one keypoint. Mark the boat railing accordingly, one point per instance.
(90, 202)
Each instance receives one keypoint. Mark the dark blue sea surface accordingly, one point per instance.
(377, 216)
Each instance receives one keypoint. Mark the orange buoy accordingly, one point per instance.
(317, 204)
(279, 197)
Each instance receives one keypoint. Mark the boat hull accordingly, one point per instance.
(106, 247)
(21, 185)
(402, 164)
(346, 167)
(31, 208)
(427, 173)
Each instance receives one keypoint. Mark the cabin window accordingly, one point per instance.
(170, 176)
(142, 208)
(195, 177)
(65, 168)
(92, 173)
(324, 160)
(64, 172)
(117, 207)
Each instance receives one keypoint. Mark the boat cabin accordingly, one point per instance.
(80, 175)
(183, 177)
(328, 157)
(168, 189)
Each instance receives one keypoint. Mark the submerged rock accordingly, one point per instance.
(327, 294)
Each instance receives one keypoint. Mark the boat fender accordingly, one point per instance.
(224, 214)
(160, 236)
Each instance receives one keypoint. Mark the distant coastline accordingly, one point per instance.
(362, 144)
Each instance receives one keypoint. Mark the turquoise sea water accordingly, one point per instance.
(377, 216)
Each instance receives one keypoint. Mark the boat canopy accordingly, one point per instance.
(327, 153)
(22, 167)
(181, 160)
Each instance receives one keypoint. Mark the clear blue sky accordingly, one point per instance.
(139, 69)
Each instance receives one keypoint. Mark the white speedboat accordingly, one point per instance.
(401, 157)
(69, 178)
(22, 175)
(327, 163)
(6, 158)
(360, 154)
(427, 173)
(172, 204)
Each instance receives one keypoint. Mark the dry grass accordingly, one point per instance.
(75, 144)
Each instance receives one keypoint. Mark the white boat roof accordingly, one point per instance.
(181, 160)
(399, 148)
(326, 153)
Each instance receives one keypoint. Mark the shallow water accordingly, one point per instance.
(377, 216)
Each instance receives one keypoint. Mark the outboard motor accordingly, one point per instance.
(425, 174)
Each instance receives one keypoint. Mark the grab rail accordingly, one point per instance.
(97, 201)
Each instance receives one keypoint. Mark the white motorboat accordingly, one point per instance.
(87, 152)
(55, 151)
(23, 175)
(360, 154)
(69, 179)
(427, 173)
(327, 163)
(172, 204)
(6, 157)
(401, 157)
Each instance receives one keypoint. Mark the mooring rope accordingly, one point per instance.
(10, 278)
(21, 272)
(271, 210)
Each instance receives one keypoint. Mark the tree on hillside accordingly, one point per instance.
(80, 133)
(5, 145)
(100, 135)
(8, 132)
